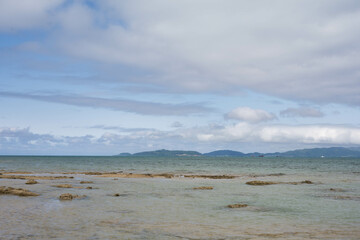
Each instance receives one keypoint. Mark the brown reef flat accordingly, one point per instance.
(31, 181)
(63, 186)
(24, 177)
(262, 183)
(85, 182)
(16, 191)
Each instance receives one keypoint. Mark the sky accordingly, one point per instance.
(84, 77)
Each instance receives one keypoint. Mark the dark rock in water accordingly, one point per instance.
(89, 188)
(203, 188)
(31, 181)
(120, 195)
(210, 176)
(92, 173)
(276, 174)
(63, 186)
(16, 191)
(337, 190)
(237, 205)
(25, 177)
(84, 182)
(260, 183)
(69, 196)
(307, 182)
(267, 175)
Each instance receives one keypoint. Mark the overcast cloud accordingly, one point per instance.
(212, 45)
(302, 112)
(126, 105)
(206, 72)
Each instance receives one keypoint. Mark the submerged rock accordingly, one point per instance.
(357, 198)
(92, 173)
(69, 196)
(211, 176)
(203, 188)
(31, 181)
(337, 190)
(237, 205)
(6, 176)
(63, 186)
(267, 175)
(16, 191)
(85, 182)
(307, 182)
(260, 183)
(120, 195)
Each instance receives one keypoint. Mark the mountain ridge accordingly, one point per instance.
(308, 152)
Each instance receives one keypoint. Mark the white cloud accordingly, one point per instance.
(242, 136)
(303, 134)
(126, 105)
(301, 112)
(29, 14)
(250, 115)
(298, 50)
(294, 50)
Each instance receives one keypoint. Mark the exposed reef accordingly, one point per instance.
(31, 181)
(16, 191)
(24, 177)
(63, 186)
(237, 205)
(69, 196)
(263, 183)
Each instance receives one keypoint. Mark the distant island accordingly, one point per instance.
(309, 153)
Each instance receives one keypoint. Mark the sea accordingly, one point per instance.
(170, 208)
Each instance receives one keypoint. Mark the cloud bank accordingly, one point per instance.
(126, 105)
(209, 45)
(302, 112)
(250, 115)
(23, 141)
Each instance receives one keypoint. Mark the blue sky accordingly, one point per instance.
(104, 77)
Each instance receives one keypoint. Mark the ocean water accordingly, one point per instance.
(161, 208)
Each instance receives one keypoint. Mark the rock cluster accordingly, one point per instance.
(31, 181)
(260, 183)
(237, 205)
(63, 186)
(85, 182)
(17, 191)
(69, 196)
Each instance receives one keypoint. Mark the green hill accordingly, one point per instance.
(322, 152)
(167, 153)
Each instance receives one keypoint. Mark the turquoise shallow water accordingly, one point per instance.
(171, 209)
